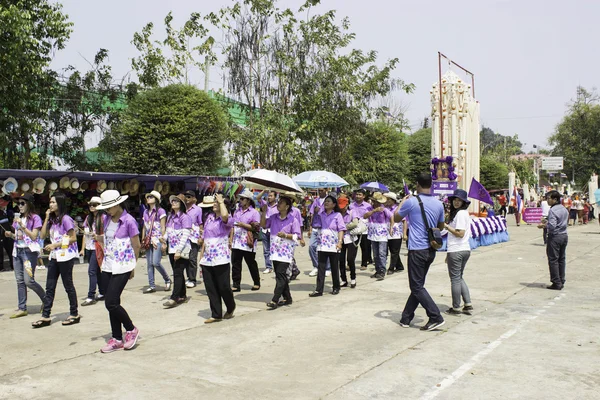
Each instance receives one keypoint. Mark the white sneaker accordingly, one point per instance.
(314, 272)
(40, 267)
(327, 273)
(267, 271)
(190, 284)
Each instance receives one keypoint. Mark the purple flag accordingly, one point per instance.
(477, 191)
(406, 191)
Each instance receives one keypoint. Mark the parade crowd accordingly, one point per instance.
(220, 237)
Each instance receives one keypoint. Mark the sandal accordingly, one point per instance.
(255, 287)
(41, 323)
(71, 320)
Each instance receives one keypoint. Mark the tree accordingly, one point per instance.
(177, 129)
(419, 153)
(493, 173)
(577, 137)
(499, 146)
(30, 32)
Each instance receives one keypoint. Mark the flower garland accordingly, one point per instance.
(448, 160)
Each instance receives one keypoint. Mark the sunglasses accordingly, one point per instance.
(187, 196)
(94, 205)
(175, 201)
(22, 203)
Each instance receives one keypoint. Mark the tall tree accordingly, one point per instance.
(419, 153)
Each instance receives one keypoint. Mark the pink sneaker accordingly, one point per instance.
(131, 338)
(112, 345)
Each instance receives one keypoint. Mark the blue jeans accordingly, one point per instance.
(266, 241)
(153, 258)
(419, 262)
(312, 250)
(64, 269)
(380, 255)
(95, 275)
(25, 281)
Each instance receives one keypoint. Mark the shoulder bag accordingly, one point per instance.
(433, 234)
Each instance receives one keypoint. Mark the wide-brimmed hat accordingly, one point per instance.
(157, 186)
(247, 194)
(155, 194)
(110, 185)
(95, 200)
(52, 187)
(207, 201)
(460, 194)
(101, 186)
(391, 195)
(10, 185)
(74, 184)
(166, 188)
(26, 186)
(111, 198)
(83, 186)
(171, 197)
(378, 197)
(39, 184)
(125, 187)
(134, 187)
(65, 183)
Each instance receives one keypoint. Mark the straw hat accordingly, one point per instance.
(101, 186)
(134, 187)
(26, 186)
(155, 194)
(83, 186)
(207, 201)
(391, 195)
(166, 188)
(125, 187)
(52, 187)
(110, 185)
(378, 197)
(65, 183)
(110, 198)
(10, 185)
(246, 193)
(95, 200)
(39, 184)
(157, 186)
(74, 184)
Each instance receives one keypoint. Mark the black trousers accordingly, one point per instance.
(282, 283)
(179, 288)
(419, 262)
(237, 256)
(365, 250)
(216, 281)
(335, 269)
(348, 253)
(394, 246)
(64, 269)
(7, 244)
(112, 301)
(191, 268)
(556, 250)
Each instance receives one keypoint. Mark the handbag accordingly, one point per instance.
(250, 239)
(99, 253)
(434, 235)
(147, 242)
(185, 253)
(359, 229)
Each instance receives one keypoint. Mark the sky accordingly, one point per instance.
(528, 56)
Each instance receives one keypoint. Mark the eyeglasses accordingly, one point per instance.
(94, 205)
(22, 204)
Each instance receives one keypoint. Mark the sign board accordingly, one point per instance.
(443, 188)
(532, 215)
(552, 163)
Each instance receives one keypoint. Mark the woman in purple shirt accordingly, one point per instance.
(92, 226)
(215, 257)
(155, 226)
(285, 231)
(330, 243)
(63, 252)
(26, 252)
(245, 219)
(121, 250)
(349, 248)
(379, 229)
(179, 229)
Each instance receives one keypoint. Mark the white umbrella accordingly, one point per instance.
(319, 179)
(271, 180)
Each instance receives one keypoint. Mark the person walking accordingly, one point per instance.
(349, 247)
(380, 220)
(154, 229)
(265, 236)
(313, 232)
(578, 206)
(6, 241)
(216, 257)
(243, 241)
(458, 250)
(556, 247)
(502, 201)
(88, 248)
(60, 228)
(285, 232)
(360, 207)
(423, 211)
(296, 213)
(545, 210)
(195, 214)
(395, 235)
(122, 248)
(331, 239)
(26, 251)
(179, 229)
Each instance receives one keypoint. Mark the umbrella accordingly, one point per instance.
(319, 179)
(375, 187)
(271, 179)
(597, 195)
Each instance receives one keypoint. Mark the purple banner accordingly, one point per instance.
(532, 215)
(443, 188)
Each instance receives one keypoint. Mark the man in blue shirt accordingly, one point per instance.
(556, 246)
(420, 253)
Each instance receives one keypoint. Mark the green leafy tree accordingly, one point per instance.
(419, 153)
(493, 173)
(577, 137)
(177, 129)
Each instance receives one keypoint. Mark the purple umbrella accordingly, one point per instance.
(375, 187)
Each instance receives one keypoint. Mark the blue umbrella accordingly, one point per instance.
(597, 195)
(319, 179)
(375, 187)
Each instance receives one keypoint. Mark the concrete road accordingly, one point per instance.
(523, 341)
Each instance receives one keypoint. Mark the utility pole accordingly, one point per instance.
(206, 73)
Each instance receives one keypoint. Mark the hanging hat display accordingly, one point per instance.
(110, 185)
(52, 187)
(125, 187)
(134, 187)
(83, 186)
(65, 183)
(74, 185)
(39, 184)
(157, 186)
(166, 188)
(26, 186)
(101, 186)
(10, 186)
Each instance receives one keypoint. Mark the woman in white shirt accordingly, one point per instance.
(459, 250)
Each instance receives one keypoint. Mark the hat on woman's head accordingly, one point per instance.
(379, 197)
(207, 201)
(460, 194)
(95, 200)
(391, 195)
(246, 194)
(27, 197)
(154, 194)
(173, 197)
(110, 198)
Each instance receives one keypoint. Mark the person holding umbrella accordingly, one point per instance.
(243, 241)
(313, 232)
(271, 204)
